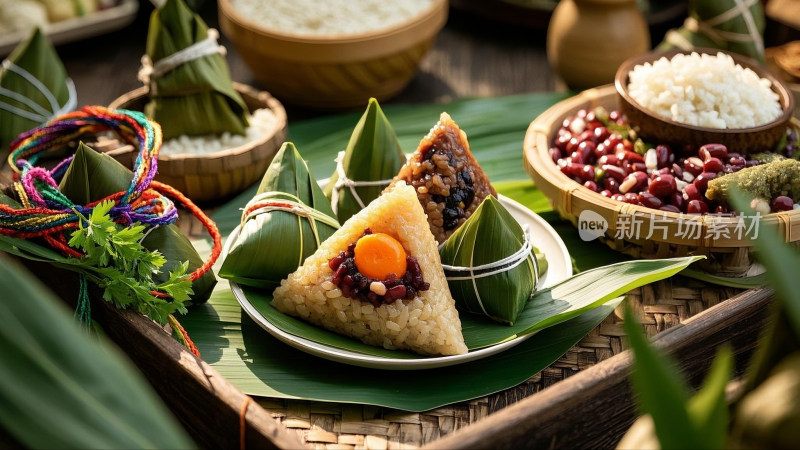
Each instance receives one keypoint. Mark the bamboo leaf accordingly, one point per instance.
(708, 409)
(59, 388)
(261, 365)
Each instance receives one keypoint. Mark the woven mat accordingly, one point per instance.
(660, 306)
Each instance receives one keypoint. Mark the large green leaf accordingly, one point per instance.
(547, 308)
(60, 388)
(260, 365)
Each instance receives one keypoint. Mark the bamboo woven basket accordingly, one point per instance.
(333, 72)
(726, 247)
(205, 178)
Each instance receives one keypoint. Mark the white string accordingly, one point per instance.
(39, 113)
(342, 181)
(493, 268)
(152, 71)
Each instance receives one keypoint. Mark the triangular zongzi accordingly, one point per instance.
(92, 176)
(448, 180)
(490, 264)
(351, 285)
(372, 157)
(282, 225)
(191, 92)
(34, 88)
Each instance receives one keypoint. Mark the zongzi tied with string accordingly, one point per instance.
(379, 279)
(92, 176)
(733, 25)
(448, 180)
(281, 226)
(372, 157)
(490, 264)
(34, 88)
(191, 92)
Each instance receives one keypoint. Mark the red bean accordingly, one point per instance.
(607, 159)
(599, 150)
(713, 164)
(634, 182)
(690, 192)
(697, 207)
(572, 145)
(677, 171)
(586, 149)
(562, 140)
(635, 167)
(611, 184)
(737, 161)
(663, 156)
(395, 292)
(631, 198)
(591, 185)
(663, 186)
(629, 156)
(649, 200)
(555, 154)
(618, 197)
(721, 210)
(606, 193)
(713, 151)
(676, 200)
(701, 182)
(693, 165)
(601, 133)
(615, 115)
(587, 136)
(613, 171)
(670, 208)
(782, 203)
(587, 173)
(664, 171)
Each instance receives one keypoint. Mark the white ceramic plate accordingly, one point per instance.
(94, 24)
(544, 237)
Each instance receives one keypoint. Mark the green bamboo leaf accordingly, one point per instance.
(372, 154)
(260, 365)
(92, 176)
(662, 391)
(708, 409)
(272, 245)
(59, 388)
(36, 56)
(196, 97)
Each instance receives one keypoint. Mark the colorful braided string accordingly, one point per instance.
(47, 213)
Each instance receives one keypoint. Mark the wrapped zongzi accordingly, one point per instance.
(351, 285)
(282, 225)
(490, 264)
(92, 176)
(448, 180)
(34, 88)
(191, 92)
(372, 157)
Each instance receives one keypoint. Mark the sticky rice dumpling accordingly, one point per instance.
(372, 157)
(281, 226)
(449, 182)
(490, 264)
(379, 279)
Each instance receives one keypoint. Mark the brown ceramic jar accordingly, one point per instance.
(587, 40)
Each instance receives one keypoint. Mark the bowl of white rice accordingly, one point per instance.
(332, 54)
(702, 96)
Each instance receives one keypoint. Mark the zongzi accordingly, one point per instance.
(490, 264)
(92, 176)
(372, 157)
(34, 88)
(191, 91)
(379, 279)
(281, 226)
(449, 182)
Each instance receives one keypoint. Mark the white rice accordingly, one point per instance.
(262, 121)
(704, 90)
(329, 17)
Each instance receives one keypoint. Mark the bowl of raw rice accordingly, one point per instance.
(335, 53)
(704, 95)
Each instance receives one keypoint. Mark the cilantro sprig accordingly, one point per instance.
(116, 260)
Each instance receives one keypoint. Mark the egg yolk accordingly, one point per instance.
(378, 254)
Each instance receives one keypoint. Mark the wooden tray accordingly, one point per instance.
(582, 400)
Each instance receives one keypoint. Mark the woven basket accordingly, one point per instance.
(206, 178)
(330, 72)
(725, 245)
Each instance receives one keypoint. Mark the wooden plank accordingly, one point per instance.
(594, 407)
(206, 404)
